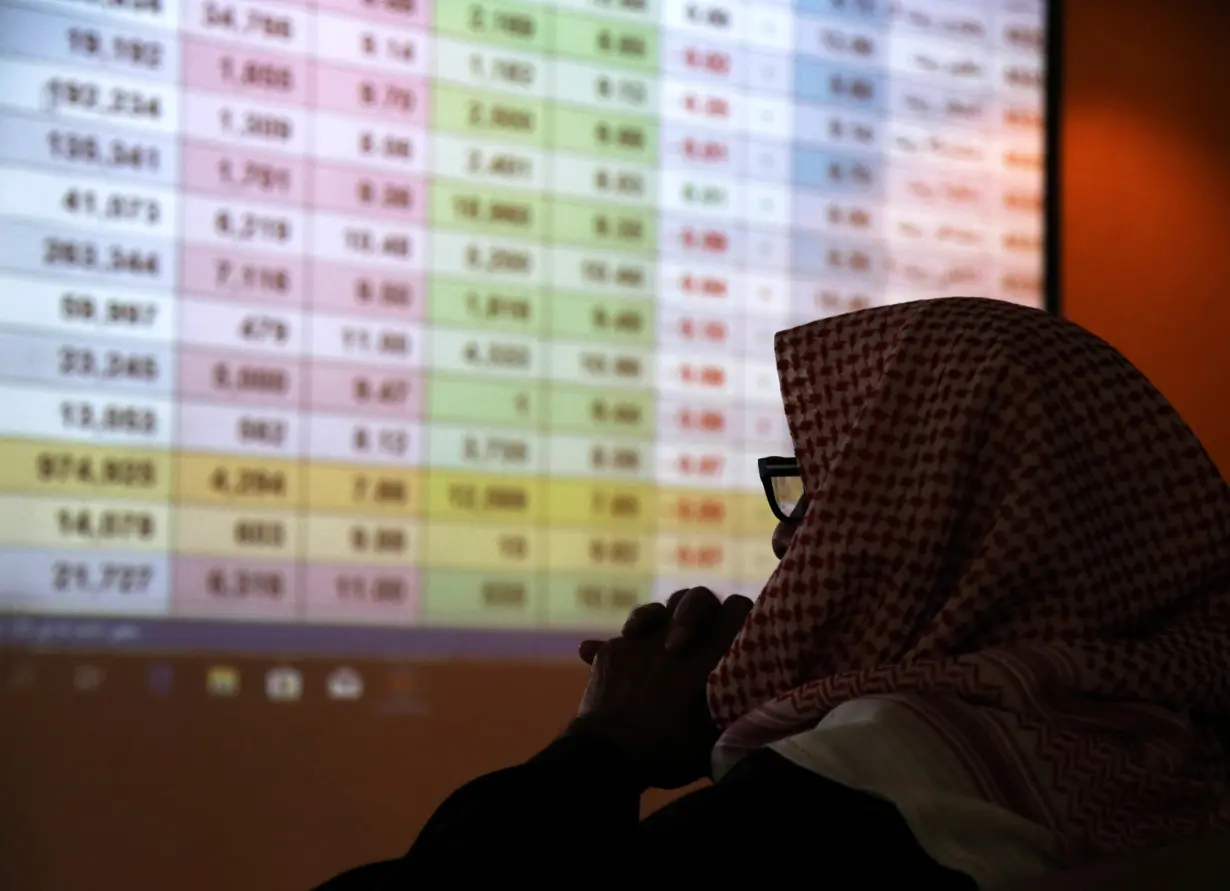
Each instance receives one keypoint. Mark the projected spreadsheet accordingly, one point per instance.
(460, 314)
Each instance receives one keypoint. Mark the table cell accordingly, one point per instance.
(709, 152)
(269, 332)
(243, 174)
(765, 426)
(366, 391)
(700, 193)
(604, 227)
(470, 497)
(232, 120)
(207, 376)
(497, 22)
(222, 274)
(707, 106)
(840, 217)
(593, 602)
(487, 259)
(939, 274)
(696, 466)
(770, 295)
(596, 458)
(68, 200)
(609, 505)
(701, 330)
(43, 522)
(761, 384)
(600, 179)
(830, 83)
(698, 555)
(357, 191)
(392, 246)
(579, 317)
(468, 400)
(463, 207)
(941, 107)
(368, 491)
(360, 440)
(626, 10)
(499, 69)
(486, 355)
(699, 421)
(844, 42)
(690, 510)
(383, 343)
(161, 16)
(352, 289)
(941, 63)
(478, 162)
(851, 261)
(268, 25)
(360, 42)
(605, 134)
(220, 428)
(77, 254)
(385, 12)
(215, 588)
(700, 240)
(692, 57)
(85, 416)
(598, 86)
(455, 597)
(700, 373)
(216, 222)
(483, 548)
(85, 148)
(458, 448)
(64, 469)
(243, 534)
(769, 160)
(573, 269)
(601, 412)
(608, 42)
(601, 551)
(347, 540)
(693, 285)
(822, 299)
(373, 145)
(916, 229)
(39, 88)
(93, 583)
(840, 175)
(485, 307)
(235, 70)
(509, 119)
(373, 95)
(244, 480)
(599, 365)
(756, 558)
(55, 360)
(364, 596)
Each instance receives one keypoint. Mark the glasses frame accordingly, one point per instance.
(770, 468)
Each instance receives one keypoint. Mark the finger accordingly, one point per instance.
(735, 610)
(695, 609)
(645, 620)
(588, 650)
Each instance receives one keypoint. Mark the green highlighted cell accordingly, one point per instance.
(601, 134)
(604, 226)
(476, 599)
(453, 303)
(468, 400)
(497, 23)
(602, 411)
(581, 317)
(506, 118)
(468, 208)
(594, 601)
(625, 44)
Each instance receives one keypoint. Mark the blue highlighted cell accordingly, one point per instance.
(838, 173)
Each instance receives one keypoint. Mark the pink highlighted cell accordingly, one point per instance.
(384, 97)
(237, 71)
(234, 589)
(409, 13)
(371, 392)
(243, 173)
(235, 379)
(223, 274)
(347, 289)
(345, 594)
(369, 193)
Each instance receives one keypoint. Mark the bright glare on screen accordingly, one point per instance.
(342, 314)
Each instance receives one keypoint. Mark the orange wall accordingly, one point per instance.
(188, 794)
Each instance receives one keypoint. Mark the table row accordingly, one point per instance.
(116, 584)
(138, 496)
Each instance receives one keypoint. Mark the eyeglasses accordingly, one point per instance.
(783, 486)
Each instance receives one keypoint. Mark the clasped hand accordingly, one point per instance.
(646, 691)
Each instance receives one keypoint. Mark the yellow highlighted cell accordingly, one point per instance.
(236, 532)
(30, 521)
(705, 557)
(470, 497)
(62, 468)
(225, 479)
(578, 550)
(689, 510)
(600, 503)
(756, 560)
(371, 491)
(384, 542)
(485, 548)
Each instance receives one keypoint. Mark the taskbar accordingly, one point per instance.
(156, 635)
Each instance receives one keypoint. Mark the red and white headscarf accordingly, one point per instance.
(1011, 529)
